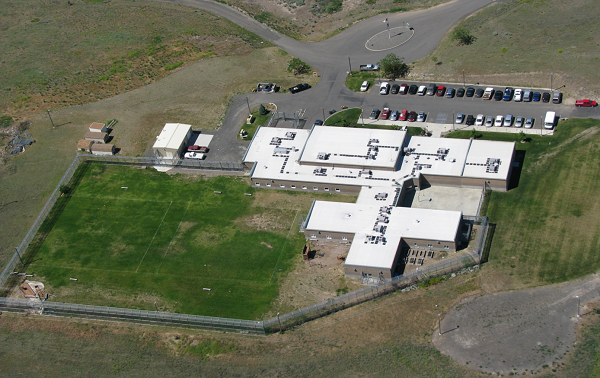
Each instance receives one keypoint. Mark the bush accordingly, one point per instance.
(6, 121)
(298, 67)
(463, 36)
(65, 189)
(262, 110)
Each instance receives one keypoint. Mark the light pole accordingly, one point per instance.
(51, 121)
(551, 80)
(578, 304)
(323, 110)
(20, 259)
(279, 320)
(452, 121)
(248, 103)
(350, 65)
(440, 324)
(464, 83)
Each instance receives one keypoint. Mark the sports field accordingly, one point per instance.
(167, 239)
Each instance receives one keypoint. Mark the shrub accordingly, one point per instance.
(65, 189)
(262, 110)
(298, 67)
(463, 36)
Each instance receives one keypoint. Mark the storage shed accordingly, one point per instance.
(103, 149)
(84, 145)
(98, 127)
(172, 140)
(96, 137)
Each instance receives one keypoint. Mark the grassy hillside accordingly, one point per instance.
(55, 54)
(521, 42)
(548, 226)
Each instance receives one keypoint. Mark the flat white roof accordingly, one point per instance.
(489, 159)
(376, 247)
(203, 140)
(172, 135)
(434, 156)
(353, 146)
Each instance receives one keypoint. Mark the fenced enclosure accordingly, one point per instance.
(43, 224)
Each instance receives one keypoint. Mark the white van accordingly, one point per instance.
(549, 120)
(422, 90)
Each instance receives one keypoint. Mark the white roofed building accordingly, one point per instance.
(172, 140)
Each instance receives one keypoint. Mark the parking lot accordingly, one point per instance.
(443, 110)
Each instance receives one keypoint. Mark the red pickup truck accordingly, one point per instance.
(585, 102)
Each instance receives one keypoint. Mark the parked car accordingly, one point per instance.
(489, 121)
(519, 121)
(470, 120)
(299, 88)
(518, 95)
(498, 95)
(460, 118)
(384, 88)
(375, 113)
(488, 93)
(536, 96)
(545, 97)
(394, 115)
(364, 86)
(422, 90)
(586, 102)
(403, 89)
(432, 89)
(369, 67)
(403, 115)
(413, 89)
(557, 97)
(527, 95)
(193, 148)
(412, 116)
(508, 120)
(460, 92)
(529, 122)
(440, 91)
(480, 119)
(395, 89)
(421, 117)
(470, 92)
(499, 121)
(479, 93)
(508, 94)
(450, 93)
(193, 155)
(318, 122)
(385, 113)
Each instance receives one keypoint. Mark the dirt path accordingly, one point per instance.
(516, 331)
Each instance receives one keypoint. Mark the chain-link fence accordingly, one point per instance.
(35, 306)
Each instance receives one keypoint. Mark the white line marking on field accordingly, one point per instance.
(284, 245)
(147, 249)
(174, 235)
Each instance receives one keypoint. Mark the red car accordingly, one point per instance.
(403, 89)
(441, 90)
(403, 115)
(585, 102)
(201, 149)
(412, 116)
(385, 114)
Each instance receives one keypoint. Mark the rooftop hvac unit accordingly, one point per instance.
(290, 135)
(276, 140)
(322, 156)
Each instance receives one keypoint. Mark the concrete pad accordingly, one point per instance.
(445, 198)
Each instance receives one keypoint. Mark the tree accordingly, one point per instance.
(393, 67)
(298, 67)
(463, 36)
(262, 110)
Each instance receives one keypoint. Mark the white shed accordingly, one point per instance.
(171, 141)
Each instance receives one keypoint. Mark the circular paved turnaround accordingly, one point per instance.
(388, 40)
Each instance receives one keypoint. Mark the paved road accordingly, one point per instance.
(330, 59)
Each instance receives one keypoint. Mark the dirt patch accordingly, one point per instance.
(267, 245)
(315, 280)
(271, 220)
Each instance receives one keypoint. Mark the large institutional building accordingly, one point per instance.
(379, 166)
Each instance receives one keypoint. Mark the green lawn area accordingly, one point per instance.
(165, 239)
(548, 226)
(355, 79)
(351, 118)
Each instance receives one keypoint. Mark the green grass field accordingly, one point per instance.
(548, 226)
(165, 239)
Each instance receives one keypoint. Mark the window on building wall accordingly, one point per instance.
(315, 188)
(328, 237)
(337, 190)
(304, 187)
(344, 238)
(446, 247)
(313, 236)
(326, 189)
(269, 185)
(281, 186)
(430, 245)
(415, 244)
(293, 186)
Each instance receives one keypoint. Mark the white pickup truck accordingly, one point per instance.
(194, 155)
